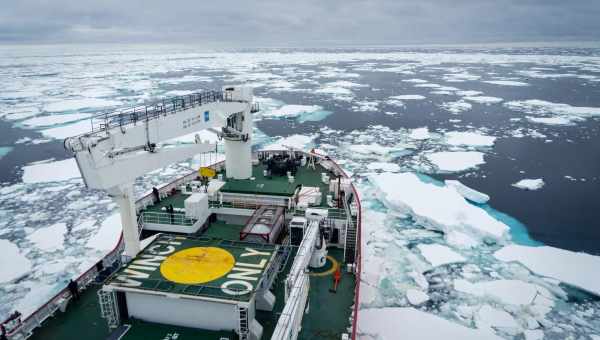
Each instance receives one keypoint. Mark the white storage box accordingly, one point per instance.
(196, 206)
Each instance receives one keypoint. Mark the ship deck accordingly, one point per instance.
(260, 185)
(191, 266)
(327, 318)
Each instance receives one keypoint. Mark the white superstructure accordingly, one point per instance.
(127, 145)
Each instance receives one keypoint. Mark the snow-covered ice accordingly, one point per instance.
(55, 119)
(577, 269)
(452, 161)
(13, 264)
(51, 171)
(506, 82)
(392, 323)
(384, 166)
(409, 97)
(529, 184)
(421, 133)
(78, 104)
(484, 99)
(49, 238)
(107, 236)
(416, 297)
(439, 255)
(468, 193)
(457, 106)
(513, 292)
(469, 138)
(434, 206)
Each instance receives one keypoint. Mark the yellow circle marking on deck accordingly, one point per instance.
(197, 265)
(330, 271)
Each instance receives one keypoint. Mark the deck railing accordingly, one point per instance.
(24, 329)
(164, 107)
(166, 218)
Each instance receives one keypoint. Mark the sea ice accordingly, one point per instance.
(529, 184)
(107, 237)
(392, 323)
(576, 269)
(291, 111)
(383, 166)
(409, 97)
(469, 138)
(468, 193)
(488, 316)
(294, 141)
(416, 297)
(457, 106)
(55, 119)
(452, 161)
(51, 171)
(439, 255)
(566, 111)
(421, 133)
(551, 120)
(78, 104)
(50, 238)
(506, 82)
(434, 206)
(13, 264)
(484, 99)
(62, 132)
(512, 292)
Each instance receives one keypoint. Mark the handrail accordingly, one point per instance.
(166, 218)
(24, 329)
(144, 113)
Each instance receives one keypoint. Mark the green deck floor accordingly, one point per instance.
(223, 230)
(141, 330)
(274, 185)
(82, 317)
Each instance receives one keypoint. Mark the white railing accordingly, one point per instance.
(157, 217)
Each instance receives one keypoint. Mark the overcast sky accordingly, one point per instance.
(299, 22)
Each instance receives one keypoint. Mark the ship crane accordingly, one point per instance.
(124, 146)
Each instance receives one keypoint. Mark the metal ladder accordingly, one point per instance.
(350, 242)
(108, 308)
(243, 322)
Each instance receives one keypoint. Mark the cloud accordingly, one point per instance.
(306, 22)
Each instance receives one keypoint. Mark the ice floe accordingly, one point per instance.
(416, 297)
(51, 171)
(62, 132)
(506, 82)
(529, 184)
(434, 206)
(301, 142)
(392, 322)
(439, 255)
(49, 238)
(384, 166)
(55, 119)
(512, 292)
(453, 161)
(469, 138)
(107, 236)
(78, 104)
(468, 193)
(483, 99)
(457, 106)
(421, 133)
(555, 113)
(409, 97)
(13, 264)
(576, 269)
